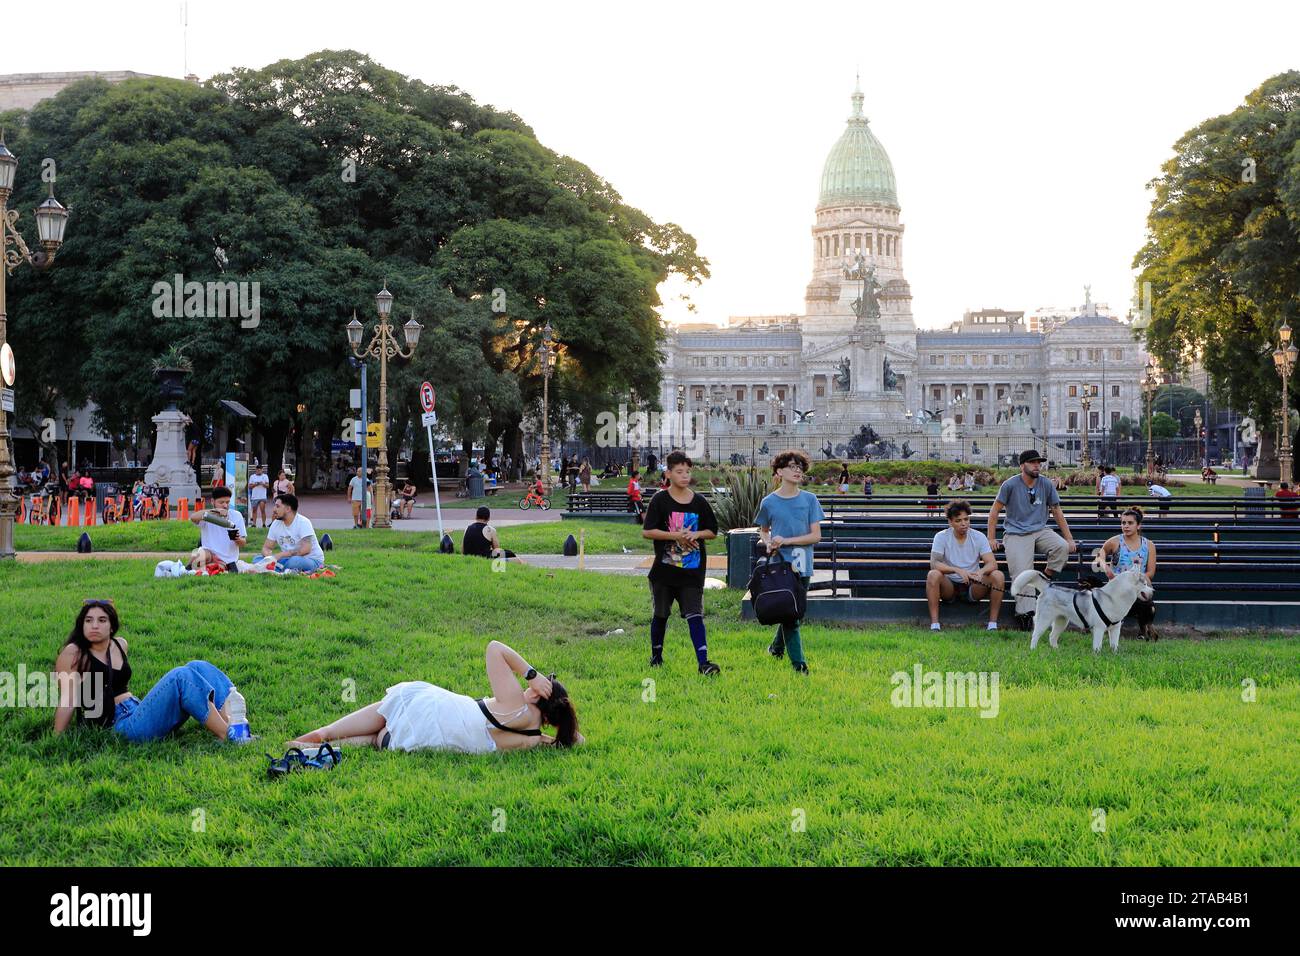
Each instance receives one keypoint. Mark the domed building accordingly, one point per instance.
(852, 375)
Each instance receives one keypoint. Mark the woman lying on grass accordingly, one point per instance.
(415, 715)
(94, 653)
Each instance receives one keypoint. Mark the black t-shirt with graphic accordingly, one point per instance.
(674, 564)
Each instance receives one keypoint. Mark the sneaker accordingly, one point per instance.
(801, 668)
(656, 660)
(991, 626)
(710, 668)
(935, 626)
(777, 652)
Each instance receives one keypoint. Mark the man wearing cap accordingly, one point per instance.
(1027, 498)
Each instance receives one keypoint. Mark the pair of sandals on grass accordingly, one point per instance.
(324, 757)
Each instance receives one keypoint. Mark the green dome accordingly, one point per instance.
(858, 169)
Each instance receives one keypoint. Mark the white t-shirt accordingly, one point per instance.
(1110, 484)
(1160, 491)
(354, 486)
(288, 537)
(964, 555)
(217, 539)
(257, 486)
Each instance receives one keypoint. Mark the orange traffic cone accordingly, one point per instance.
(184, 514)
(22, 511)
(74, 512)
(90, 511)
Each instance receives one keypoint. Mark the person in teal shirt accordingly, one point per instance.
(789, 520)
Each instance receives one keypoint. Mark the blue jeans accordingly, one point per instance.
(182, 692)
(299, 563)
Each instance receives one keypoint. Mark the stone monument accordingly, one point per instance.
(170, 468)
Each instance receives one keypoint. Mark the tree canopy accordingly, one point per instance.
(1223, 247)
(319, 179)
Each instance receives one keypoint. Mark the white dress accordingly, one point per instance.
(424, 716)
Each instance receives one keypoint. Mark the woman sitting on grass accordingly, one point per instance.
(415, 715)
(94, 653)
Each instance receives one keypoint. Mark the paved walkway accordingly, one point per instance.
(332, 512)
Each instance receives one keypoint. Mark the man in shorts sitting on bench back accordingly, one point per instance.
(963, 567)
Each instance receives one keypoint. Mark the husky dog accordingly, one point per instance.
(1098, 610)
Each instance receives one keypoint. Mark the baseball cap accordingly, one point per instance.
(1031, 455)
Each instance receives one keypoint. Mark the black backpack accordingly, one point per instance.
(777, 592)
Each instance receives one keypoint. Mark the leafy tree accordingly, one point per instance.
(1162, 426)
(317, 179)
(1223, 247)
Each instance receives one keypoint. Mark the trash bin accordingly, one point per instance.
(104, 490)
(474, 484)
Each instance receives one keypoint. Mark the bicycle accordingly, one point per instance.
(533, 498)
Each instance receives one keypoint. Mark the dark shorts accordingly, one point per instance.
(689, 598)
(963, 594)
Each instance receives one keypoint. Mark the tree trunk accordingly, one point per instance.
(275, 437)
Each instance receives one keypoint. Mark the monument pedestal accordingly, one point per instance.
(170, 467)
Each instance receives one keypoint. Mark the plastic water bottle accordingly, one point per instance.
(238, 731)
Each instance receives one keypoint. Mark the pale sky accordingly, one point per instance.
(1022, 137)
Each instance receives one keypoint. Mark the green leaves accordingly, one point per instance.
(316, 179)
(1223, 251)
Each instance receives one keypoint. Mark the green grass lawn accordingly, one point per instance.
(702, 771)
(547, 537)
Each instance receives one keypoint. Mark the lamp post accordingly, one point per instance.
(51, 220)
(1149, 386)
(1197, 423)
(1284, 359)
(383, 346)
(68, 422)
(1047, 446)
(681, 416)
(547, 354)
(1086, 403)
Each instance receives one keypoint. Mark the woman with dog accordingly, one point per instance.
(1132, 550)
(415, 715)
(94, 653)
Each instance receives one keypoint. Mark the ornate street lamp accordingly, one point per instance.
(383, 346)
(67, 430)
(51, 220)
(1047, 446)
(1284, 359)
(1086, 402)
(1149, 387)
(1196, 422)
(681, 416)
(547, 354)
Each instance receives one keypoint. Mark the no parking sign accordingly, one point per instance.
(429, 419)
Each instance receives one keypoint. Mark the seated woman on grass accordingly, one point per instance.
(415, 715)
(95, 655)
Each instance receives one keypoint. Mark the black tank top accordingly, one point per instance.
(474, 541)
(116, 681)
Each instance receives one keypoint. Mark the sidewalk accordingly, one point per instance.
(331, 512)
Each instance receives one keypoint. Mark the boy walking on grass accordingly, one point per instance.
(789, 521)
(679, 521)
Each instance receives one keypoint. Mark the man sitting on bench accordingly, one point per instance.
(963, 567)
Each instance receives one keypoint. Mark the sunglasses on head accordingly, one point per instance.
(99, 602)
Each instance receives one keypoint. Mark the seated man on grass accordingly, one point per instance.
(481, 538)
(963, 567)
(223, 537)
(295, 538)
